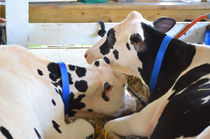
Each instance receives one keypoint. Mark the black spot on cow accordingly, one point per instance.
(58, 91)
(90, 137)
(55, 84)
(81, 85)
(128, 46)
(116, 54)
(106, 59)
(5, 132)
(96, 63)
(81, 71)
(37, 133)
(60, 83)
(75, 103)
(53, 102)
(191, 76)
(71, 67)
(40, 72)
(54, 70)
(90, 110)
(56, 126)
(178, 57)
(109, 42)
(70, 79)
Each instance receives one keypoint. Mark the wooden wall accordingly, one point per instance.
(68, 12)
(113, 12)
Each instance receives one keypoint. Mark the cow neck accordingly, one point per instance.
(177, 58)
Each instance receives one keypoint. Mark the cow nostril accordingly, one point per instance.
(85, 55)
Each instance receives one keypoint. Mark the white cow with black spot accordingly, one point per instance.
(179, 106)
(31, 103)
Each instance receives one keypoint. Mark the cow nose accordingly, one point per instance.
(85, 55)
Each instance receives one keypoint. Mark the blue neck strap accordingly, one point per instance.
(65, 86)
(158, 62)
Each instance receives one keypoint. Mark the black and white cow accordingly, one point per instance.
(31, 105)
(180, 103)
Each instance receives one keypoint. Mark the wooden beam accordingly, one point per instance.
(2, 11)
(112, 12)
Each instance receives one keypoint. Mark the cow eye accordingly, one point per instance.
(136, 41)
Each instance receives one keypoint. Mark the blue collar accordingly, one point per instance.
(158, 62)
(65, 86)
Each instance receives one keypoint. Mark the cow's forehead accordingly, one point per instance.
(131, 25)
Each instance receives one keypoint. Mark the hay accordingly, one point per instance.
(138, 86)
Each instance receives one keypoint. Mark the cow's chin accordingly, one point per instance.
(128, 71)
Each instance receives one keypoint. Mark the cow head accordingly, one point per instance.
(126, 47)
(97, 90)
(106, 94)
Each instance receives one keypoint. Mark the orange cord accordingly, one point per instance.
(190, 25)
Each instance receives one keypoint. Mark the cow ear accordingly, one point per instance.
(107, 91)
(164, 24)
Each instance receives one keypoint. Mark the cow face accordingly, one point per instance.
(96, 89)
(124, 45)
(106, 93)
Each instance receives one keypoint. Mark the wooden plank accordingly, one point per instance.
(79, 13)
(2, 11)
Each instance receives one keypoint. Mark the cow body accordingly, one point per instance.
(180, 104)
(31, 96)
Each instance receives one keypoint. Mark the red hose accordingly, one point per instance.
(190, 25)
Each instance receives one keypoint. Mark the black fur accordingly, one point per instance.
(54, 70)
(75, 103)
(109, 42)
(96, 63)
(56, 126)
(71, 67)
(81, 85)
(128, 46)
(53, 102)
(40, 72)
(106, 59)
(81, 71)
(70, 79)
(5, 132)
(116, 54)
(37, 133)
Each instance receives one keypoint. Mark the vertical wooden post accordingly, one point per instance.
(17, 22)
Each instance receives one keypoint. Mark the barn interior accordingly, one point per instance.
(62, 30)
